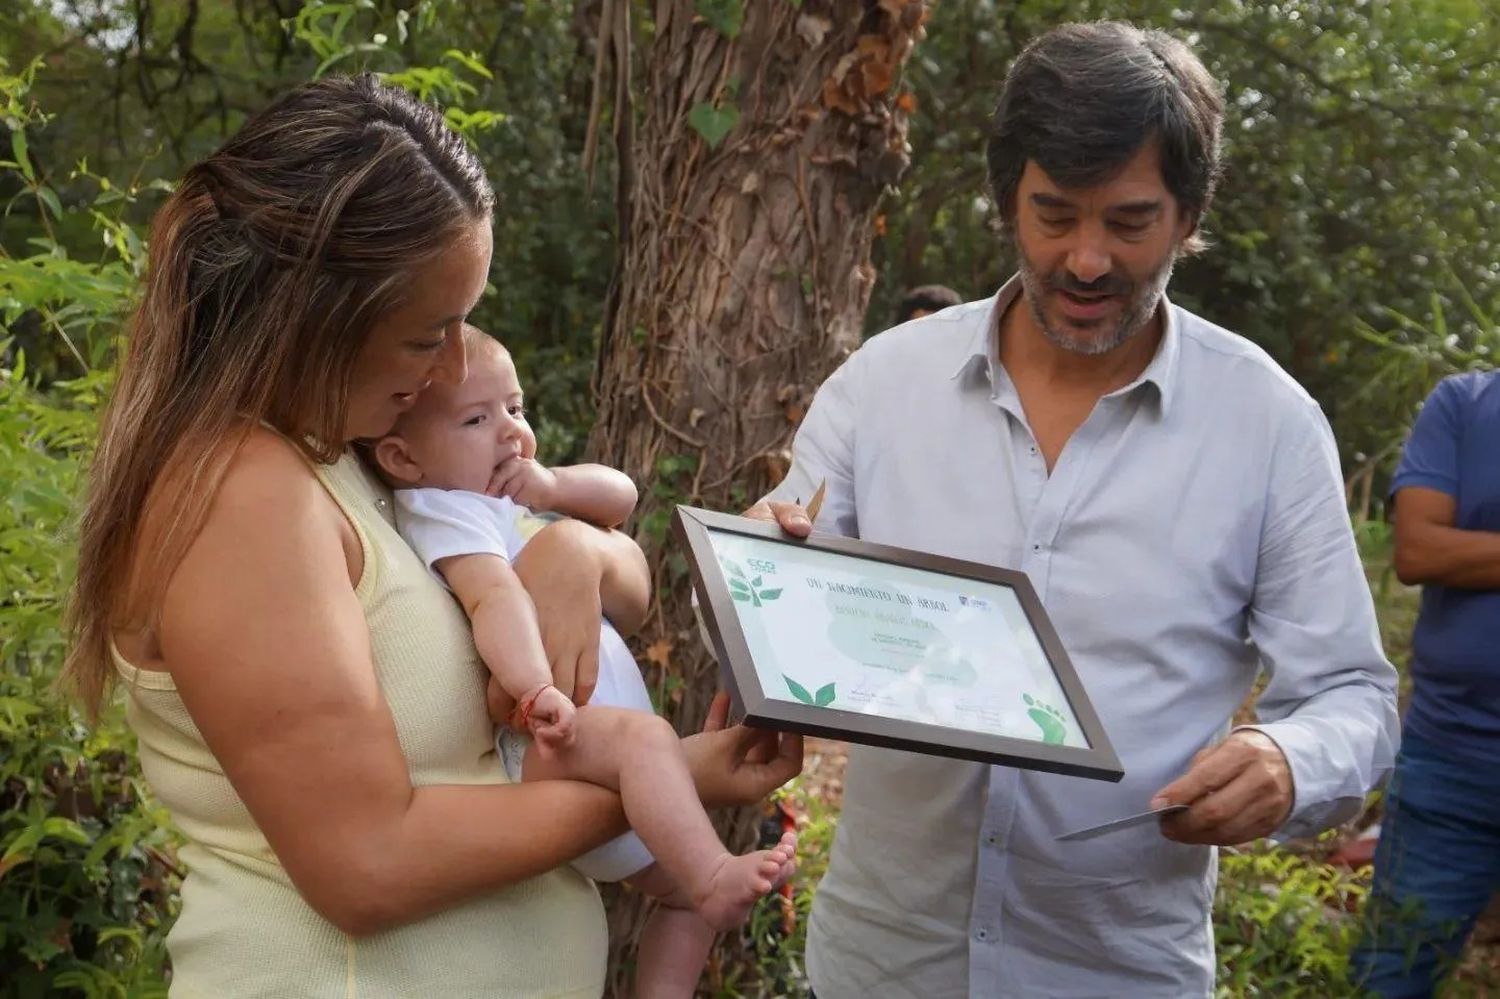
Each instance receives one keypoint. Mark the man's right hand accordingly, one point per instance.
(791, 517)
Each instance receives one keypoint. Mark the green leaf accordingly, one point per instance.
(726, 16)
(733, 568)
(49, 198)
(770, 594)
(713, 123)
(740, 595)
(798, 691)
(18, 148)
(824, 696)
(472, 62)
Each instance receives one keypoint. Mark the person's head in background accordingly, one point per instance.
(924, 301)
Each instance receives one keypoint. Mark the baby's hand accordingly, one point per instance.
(527, 481)
(548, 715)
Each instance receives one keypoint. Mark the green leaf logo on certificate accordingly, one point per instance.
(889, 647)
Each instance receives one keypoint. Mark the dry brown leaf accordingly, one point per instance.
(751, 183)
(778, 463)
(842, 67)
(660, 652)
(892, 7)
(845, 158)
(880, 225)
(907, 102)
(876, 46)
(795, 412)
(694, 416)
(835, 98)
(876, 77)
(813, 29)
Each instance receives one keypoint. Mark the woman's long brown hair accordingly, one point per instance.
(268, 266)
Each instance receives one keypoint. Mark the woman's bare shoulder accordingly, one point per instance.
(266, 466)
(270, 494)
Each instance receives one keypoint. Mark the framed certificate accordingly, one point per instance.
(851, 640)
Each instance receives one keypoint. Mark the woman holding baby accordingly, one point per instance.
(307, 694)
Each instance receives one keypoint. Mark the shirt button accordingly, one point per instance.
(982, 934)
(1036, 548)
(992, 837)
(1033, 449)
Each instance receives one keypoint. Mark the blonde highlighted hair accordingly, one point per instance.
(268, 266)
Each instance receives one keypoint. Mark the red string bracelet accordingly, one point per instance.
(522, 714)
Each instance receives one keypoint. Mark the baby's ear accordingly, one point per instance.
(394, 457)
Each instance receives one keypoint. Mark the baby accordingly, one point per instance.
(444, 453)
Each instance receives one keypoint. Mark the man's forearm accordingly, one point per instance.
(1448, 556)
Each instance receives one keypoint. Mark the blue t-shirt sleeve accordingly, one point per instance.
(1430, 459)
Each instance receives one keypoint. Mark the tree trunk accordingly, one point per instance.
(747, 199)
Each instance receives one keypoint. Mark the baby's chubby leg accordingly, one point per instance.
(639, 755)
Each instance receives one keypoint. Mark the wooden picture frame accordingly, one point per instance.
(887, 631)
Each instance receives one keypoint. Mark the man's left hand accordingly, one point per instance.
(1238, 791)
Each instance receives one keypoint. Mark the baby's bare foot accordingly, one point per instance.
(737, 882)
(788, 846)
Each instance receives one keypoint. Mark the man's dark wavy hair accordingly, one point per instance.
(1082, 99)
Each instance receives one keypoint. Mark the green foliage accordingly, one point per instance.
(713, 123)
(726, 16)
(1360, 182)
(1282, 925)
(1408, 359)
(777, 930)
(87, 883)
(145, 92)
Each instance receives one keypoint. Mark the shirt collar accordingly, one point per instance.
(982, 354)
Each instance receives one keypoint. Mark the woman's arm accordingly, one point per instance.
(268, 646)
(575, 573)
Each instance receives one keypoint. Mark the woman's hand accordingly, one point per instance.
(561, 569)
(739, 765)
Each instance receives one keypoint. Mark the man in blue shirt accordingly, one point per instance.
(1438, 861)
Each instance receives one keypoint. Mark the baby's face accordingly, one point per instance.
(456, 436)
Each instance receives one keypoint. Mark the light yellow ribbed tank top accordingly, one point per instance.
(245, 932)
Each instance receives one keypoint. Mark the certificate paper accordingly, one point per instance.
(890, 647)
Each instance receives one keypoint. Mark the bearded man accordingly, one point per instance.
(1175, 498)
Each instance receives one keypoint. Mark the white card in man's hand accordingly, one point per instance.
(1130, 820)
